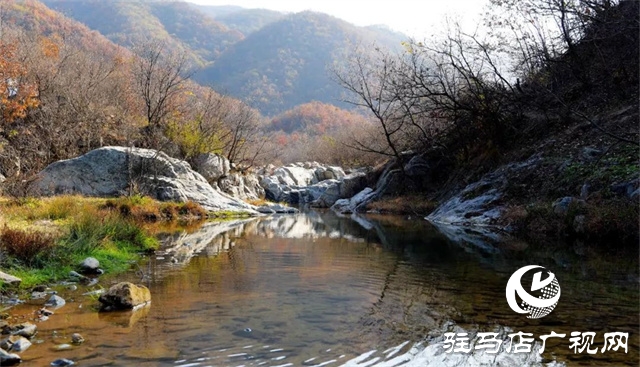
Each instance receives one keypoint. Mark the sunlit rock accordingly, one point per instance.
(125, 295)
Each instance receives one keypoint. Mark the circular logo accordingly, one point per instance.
(544, 296)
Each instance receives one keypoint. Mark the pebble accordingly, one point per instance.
(77, 338)
(63, 362)
(62, 347)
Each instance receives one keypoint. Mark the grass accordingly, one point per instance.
(41, 240)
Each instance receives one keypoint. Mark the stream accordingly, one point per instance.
(315, 289)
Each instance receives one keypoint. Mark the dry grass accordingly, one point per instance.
(408, 204)
(26, 246)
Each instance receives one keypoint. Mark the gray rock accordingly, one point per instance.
(55, 302)
(26, 329)
(9, 279)
(62, 362)
(562, 205)
(90, 265)
(277, 208)
(584, 191)
(628, 189)
(77, 338)
(15, 343)
(9, 359)
(111, 171)
(242, 186)
(64, 346)
(590, 154)
(417, 166)
(212, 166)
(347, 206)
(579, 223)
(75, 274)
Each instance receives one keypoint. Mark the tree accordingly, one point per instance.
(17, 93)
(158, 80)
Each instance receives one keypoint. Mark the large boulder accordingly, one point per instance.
(9, 279)
(212, 166)
(125, 296)
(346, 188)
(113, 171)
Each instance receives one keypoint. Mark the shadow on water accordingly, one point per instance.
(317, 289)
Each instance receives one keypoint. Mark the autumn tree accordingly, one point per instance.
(17, 93)
(159, 77)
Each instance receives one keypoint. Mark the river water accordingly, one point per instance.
(316, 289)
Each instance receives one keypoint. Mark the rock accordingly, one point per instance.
(579, 223)
(9, 359)
(124, 296)
(628, 189)
(39, 288)
(111, 171)
(55, 302)
(77, 338)
(477, 205)
(584, 191)
(26, 329)
(64, 346)
(348, 206)
(336, 190)
(9, 279)
(15, 343)
(63, 362)
(590, 154)
(90, 265)
(277, 208)
(562, 205)
(39, 295)
(74, 274)
(417, 166)
(212, 166)
(242, 186)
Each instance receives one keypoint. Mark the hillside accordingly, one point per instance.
(288, 62)
(243, 20)
(179, 25)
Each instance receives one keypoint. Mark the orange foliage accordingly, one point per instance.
(16, 95)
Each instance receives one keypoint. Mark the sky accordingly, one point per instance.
(415, 18)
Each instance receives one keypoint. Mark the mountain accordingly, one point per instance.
(243, 20)
(288, 62)
(179, 25)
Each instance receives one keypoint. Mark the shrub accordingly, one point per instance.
(30, 248)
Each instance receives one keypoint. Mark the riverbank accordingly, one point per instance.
(43, 239)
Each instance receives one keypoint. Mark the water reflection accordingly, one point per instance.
(316, 289)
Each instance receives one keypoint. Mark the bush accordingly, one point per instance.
(30, 248)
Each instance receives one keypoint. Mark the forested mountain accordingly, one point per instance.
(272, 60)
(244, 20)
(289, 62)
(177, 24)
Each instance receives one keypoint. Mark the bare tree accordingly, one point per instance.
(159, 76)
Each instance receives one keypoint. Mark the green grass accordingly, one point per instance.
(116, 232)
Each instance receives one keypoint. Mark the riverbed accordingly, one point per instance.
(317, 289)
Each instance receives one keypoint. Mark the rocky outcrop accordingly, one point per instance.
(479, 203)
(310, 183)
(9, 279)
(245, 186)
(125, 296)
(113, 171)
(212, 166)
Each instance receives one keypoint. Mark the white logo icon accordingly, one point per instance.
(548, 293)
